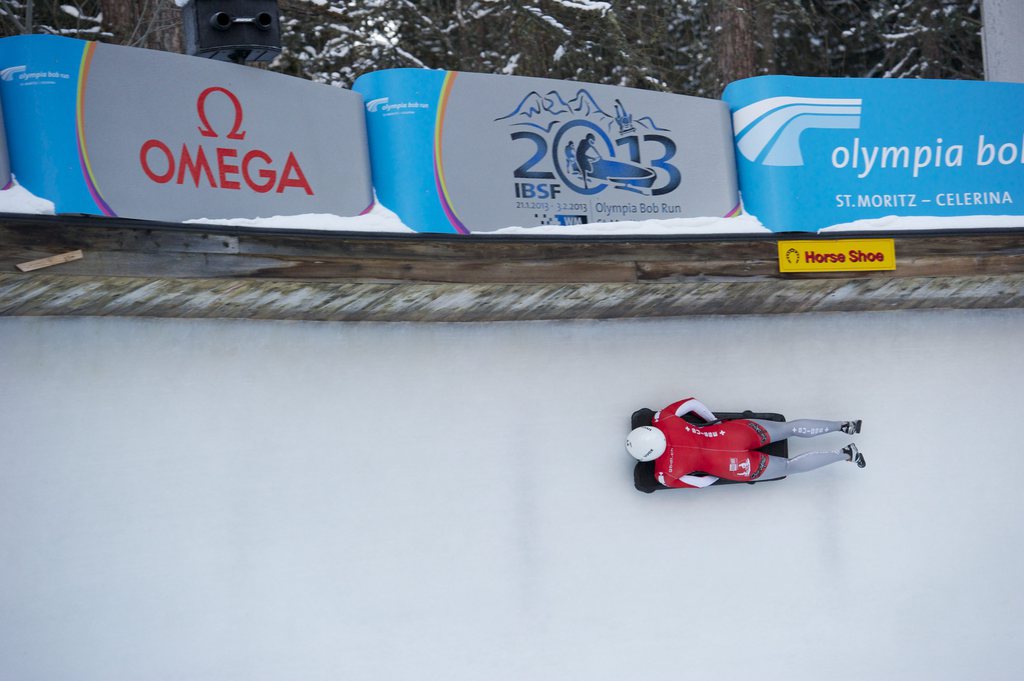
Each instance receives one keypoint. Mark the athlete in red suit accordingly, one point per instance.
(727, 449)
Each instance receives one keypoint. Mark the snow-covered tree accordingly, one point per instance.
(687, 46)
(928, 39)
(72, 18)
(582, 39)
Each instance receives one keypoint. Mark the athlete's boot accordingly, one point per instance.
(851, 427)
(853, 454)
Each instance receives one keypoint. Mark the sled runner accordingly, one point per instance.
(643, 472)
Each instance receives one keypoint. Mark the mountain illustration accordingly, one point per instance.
(556, 103)
(649, 123)
(534, 105)
(584, 103)
(544, 111)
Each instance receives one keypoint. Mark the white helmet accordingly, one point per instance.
(645, 443)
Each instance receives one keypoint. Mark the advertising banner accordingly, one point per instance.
(108, 130)
(816, 152)
(466, 152)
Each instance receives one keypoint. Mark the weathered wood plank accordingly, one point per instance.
(58, 236)
(187, 265)
(50, 261)
(166, 252)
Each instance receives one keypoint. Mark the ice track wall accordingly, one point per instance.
(212, 500)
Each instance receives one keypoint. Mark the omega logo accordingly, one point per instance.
(220, 167)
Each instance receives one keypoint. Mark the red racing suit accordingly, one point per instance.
(723, 450)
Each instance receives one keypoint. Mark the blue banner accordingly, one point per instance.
(39, 89)
(816, 152)
(403, 110)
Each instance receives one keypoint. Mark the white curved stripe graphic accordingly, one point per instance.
(785, 151)
(775, 132)
(10, 71)
(374, 104)
(741, 118)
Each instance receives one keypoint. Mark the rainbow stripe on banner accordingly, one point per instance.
(442, 188)
(42, 97)
(83, 151)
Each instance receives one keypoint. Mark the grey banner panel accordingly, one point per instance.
(470, 152)
(533, 151)
(111, 130)
(175, 137)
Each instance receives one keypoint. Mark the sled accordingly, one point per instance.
(643, 472)
(622, 174)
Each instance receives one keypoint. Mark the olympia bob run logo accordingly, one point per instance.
(768, 133)
(579, 144)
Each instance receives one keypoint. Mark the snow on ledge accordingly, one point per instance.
(378, 219)
(741, 224)
(896, 223)
(17, 199)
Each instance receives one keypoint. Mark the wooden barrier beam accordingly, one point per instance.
(169, 270)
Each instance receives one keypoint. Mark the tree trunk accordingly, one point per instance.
(733, 23)
(930, 20)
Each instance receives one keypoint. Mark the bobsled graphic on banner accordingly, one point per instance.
(467, 152)
(108, 130)
(817, 152)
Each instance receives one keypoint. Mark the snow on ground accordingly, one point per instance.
(270, 501)
(17, 199)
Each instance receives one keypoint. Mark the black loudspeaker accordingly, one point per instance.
(232, 30)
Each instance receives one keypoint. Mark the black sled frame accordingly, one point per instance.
(643, 472)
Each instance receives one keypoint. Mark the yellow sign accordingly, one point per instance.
(844, 255)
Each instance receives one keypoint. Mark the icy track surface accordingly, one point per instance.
(250, 501)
